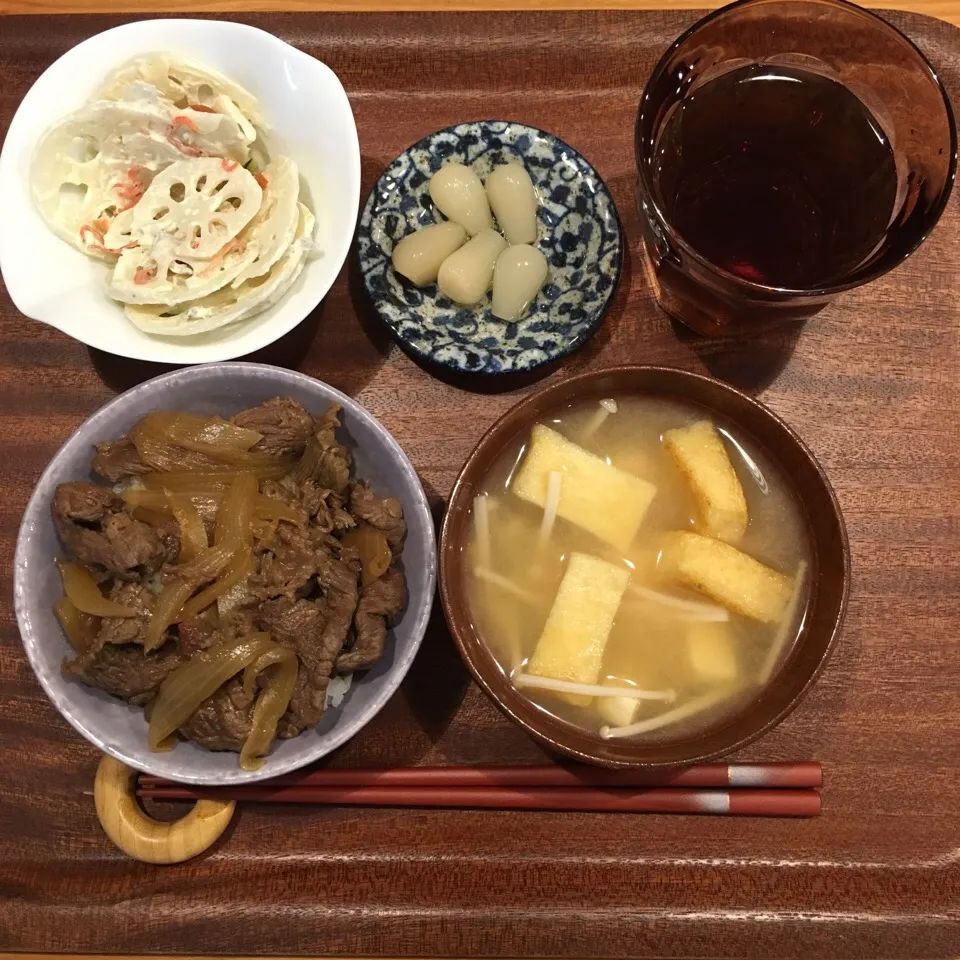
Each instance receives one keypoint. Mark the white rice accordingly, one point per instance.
(337, 689)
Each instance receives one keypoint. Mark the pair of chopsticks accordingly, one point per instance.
(757, 790)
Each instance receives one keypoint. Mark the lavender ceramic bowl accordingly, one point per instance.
(119, 729)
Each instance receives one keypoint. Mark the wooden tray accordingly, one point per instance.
(873, 387)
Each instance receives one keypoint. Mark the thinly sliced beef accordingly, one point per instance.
(116, 460)
(324, 460)
(285, 564)
(285, 424)
(386, 514)
(299, 625)
(125, 670)
(339, 581)
(380, 605)
(223, 721)
(317, 630)
(319, 507)
(196, 634)
(288, 493)
(331, 515)
(239, 617)
(96, 530)
(126, 629)
(168, 530)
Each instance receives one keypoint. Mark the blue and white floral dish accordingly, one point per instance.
(578, 233)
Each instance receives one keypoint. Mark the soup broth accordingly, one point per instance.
(609, 550)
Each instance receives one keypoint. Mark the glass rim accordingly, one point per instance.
(811, 292)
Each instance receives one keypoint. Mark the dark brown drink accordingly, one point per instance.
(778, 175)
(787, 150)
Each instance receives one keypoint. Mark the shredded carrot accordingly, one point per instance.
(97, 234)
(200, 108)
(184, 148)
(132, 189)
(228, 164)
(188, 150)
(216, 262)
(97, 229)
(144, 275)
(181, 121)
(262, 180)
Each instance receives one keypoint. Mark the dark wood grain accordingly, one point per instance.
(873, 387)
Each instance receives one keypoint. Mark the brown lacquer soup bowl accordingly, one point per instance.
(828, 571)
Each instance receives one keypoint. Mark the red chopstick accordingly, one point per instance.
(736, 802)
(740, 775)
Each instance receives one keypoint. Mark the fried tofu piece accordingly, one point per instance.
(579, 623)
(725, 574)
(603, 500)
(702, 458)
(711, 652)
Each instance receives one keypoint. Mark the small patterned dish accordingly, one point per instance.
(578, 233)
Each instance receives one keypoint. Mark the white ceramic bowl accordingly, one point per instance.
(120, 729)
(311, 122)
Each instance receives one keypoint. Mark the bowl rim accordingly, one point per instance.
(159, 348)
(427, 358)
(471, 648)
(421, 611)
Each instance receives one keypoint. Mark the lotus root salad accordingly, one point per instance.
(636, 568)
(164, 176)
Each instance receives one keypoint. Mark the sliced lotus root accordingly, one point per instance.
(203, 203)
(154, 274)
(273, 228)
(96, 162)
(185, 84)
(230, 304)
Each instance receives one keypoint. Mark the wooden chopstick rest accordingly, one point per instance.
(144, 838)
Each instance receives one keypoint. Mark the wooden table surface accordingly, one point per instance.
(945, 9)
(872, 385)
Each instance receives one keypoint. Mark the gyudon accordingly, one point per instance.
(233, 577)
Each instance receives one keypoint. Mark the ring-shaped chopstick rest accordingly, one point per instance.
(144, 838)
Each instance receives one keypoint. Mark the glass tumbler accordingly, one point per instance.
(760, 202)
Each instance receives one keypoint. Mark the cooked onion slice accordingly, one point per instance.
(375, 553)
(82, 591)
(206, 503)
(158, 448)
(81, 628)
(205, 566)
(235, 513)
(215, 440)
(237, 571)
(194, 432)
(271, 704)
(200, 677)
(165, 610)
(193, 534)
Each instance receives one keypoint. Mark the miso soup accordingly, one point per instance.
(638, 567)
